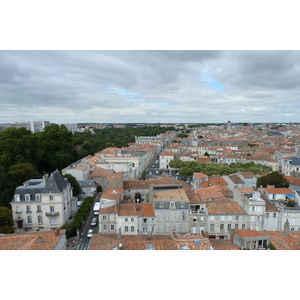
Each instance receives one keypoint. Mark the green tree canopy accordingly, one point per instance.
(74, 183)
(6, 220)
(274, 178)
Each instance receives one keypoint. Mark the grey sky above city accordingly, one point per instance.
(149, 86)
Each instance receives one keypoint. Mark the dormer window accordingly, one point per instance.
(17, 198)
(27, 197)
(161, 204)
(172, 204)
(38, 197)
(51, 197)
(182, 204)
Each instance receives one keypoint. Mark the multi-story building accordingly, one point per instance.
(71, 127)
(223, 215)
(127, 218)
(254, 206)
(37, 126)
(291, 166)
(171, 206)
(43, 204)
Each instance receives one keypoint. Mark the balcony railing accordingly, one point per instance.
(52, 214)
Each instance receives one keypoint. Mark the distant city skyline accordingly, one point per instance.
(150, 86)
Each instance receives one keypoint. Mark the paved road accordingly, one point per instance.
(85, 241)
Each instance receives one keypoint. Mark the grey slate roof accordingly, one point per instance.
(295, 161)
(87, 183)
(55, 184)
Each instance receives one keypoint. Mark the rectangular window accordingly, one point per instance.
(51, 208)
(27, 197)
(132, 228)
(112, 227)
(40, 221)
(252, 208)
(212, 227)
(236, 226)
(258, 218)
(29, 220)
(126, 219)
(274, 215)
(38, 208)
(267, 215)
(212, 218)
(126, 228)
(28, 209)
(236, 217)
(104, 217)
(51, 197)
(222, 218)
(243, 226)
(104, 227)
(52, 220)
(229, 226)
(229, 218)
(132, 219)
(221, 227)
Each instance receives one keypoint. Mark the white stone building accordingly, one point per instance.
(43, 204)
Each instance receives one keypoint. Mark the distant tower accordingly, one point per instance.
(228, 126)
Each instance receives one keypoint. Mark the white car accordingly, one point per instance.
(90, 233)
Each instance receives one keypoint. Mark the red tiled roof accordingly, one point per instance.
(30, 240)
(223, 207)
(278, 190)
(140, 242)
(133, 209)
(250, 233)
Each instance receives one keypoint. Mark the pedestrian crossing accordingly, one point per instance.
(83, 247)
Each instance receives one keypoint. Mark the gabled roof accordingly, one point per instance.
(134, 209)
(224, 207)
(278, 190)
(142, 242)
(250, 233)
(235, 179)
(30, 240)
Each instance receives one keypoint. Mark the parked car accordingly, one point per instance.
(94, 222)
(90, 233)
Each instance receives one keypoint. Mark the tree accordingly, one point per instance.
(74, 183)
(186, 171)
(6, 220)
(274, 178)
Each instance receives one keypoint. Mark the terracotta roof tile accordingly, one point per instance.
(140, 242)
(224, 207)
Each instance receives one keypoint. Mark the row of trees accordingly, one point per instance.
(187, 168)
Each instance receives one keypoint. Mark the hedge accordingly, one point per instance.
(71, 228)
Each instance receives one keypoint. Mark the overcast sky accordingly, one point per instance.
(150, 86)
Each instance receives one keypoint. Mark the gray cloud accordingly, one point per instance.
(149, 86)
